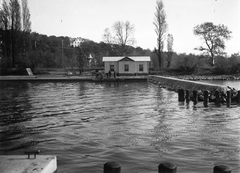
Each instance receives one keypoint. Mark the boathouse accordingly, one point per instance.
(127, 65)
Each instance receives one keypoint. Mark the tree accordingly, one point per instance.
(5, 35)
(15, 15)
(160, 24)
(81, 58)
(214, 37)
(170, 49)
(26, 29)
(122, 35)
(26, 23)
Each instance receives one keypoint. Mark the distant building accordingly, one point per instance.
(127, 65)
(76, 42)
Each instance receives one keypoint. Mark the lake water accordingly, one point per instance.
(136, 124)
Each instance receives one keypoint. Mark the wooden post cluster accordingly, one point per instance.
(184, 94)
(166, 167)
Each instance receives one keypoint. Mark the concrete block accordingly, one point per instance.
(21, 164)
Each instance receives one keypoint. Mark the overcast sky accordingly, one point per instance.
(89, 18)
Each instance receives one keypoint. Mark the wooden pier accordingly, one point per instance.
(198, 91)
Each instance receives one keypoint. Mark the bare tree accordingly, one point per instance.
(213, 36)
(107, 36)
(122, 35)
(26, 26)
(160, 24)
(26, 23)
(5, 16)
(170, 49)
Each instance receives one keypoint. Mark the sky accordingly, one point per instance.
(89, 18)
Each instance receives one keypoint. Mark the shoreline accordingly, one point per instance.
(117, 79)
(71, 78)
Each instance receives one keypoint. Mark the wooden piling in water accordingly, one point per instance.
(206, 98)
(167, 168)
(194, 86)
(238, 98)
(228, 98)
(195, 97)
(112, 167)
(217, 100)
(181, 95)
(221, 169)
(187, 95)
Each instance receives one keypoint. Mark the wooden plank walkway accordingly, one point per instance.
(176, 84)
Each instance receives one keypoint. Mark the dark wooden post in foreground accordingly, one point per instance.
(167, 168)
(221, 169)
(217, 101)
(112, 167)
(195, 97)
(206, 98)
(181, 96)
(228, 98)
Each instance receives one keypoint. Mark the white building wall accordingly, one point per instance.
(107, 66)
(133, 67)
(145, 67)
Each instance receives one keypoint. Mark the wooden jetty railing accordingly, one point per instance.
(195, 90)
(114, 167)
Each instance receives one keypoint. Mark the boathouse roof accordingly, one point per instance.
(126, 58)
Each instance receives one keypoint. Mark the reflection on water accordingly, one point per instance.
(136, 124)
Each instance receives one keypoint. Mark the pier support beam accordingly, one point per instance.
(238, 97)
(167, 168)
(228, 98)
(217, 100)
(187, 95)
(181, 95)
(206, 98)
(195, 97)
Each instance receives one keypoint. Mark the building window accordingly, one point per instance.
(111, 67)
(126, 67)
(140, 67)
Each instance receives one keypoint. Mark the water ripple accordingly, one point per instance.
(137, 124)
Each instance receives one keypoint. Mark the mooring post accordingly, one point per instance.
(167, 168)
(217, 101)
(206, 98)
(195, 97)
(187, 95)
(238, 97)
(221, 169)
(112, 167)
(228, 98)
(181, 96)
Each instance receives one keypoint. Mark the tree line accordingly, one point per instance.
(21, 48)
